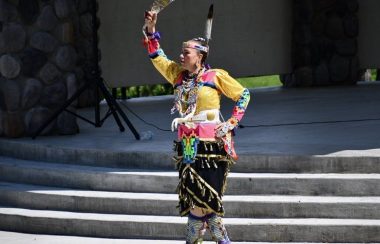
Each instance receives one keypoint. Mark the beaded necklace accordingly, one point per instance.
(185, 95)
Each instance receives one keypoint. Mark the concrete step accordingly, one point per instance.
(248, 162)
(114, 179)
(307, 164)
(173, 228)
(65, 199)
(22, 238)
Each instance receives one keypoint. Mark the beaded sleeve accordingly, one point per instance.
(240, 107)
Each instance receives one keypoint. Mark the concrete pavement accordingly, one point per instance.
(275, 114)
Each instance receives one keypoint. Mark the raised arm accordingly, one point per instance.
(167, 68)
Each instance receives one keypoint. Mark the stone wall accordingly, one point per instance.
(45, 55)
(325, 49)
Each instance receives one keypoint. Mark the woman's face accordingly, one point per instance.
(190, 58)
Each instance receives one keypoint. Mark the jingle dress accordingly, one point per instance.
(202, 159)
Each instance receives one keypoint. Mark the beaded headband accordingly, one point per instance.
(195, 46)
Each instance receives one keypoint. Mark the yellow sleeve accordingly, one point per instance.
(227, 85)
(167, 68)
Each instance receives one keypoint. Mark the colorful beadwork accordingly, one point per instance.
(241, 105)
(229, 145)
(189, 147)
(195, 46)
(185, 95)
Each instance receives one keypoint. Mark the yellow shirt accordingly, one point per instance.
(208, 97)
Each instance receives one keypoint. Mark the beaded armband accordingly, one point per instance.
(156, 35)
(152, 45)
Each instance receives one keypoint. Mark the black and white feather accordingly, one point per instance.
(208, 28)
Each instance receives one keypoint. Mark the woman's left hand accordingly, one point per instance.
(225, 127)
(221, 129)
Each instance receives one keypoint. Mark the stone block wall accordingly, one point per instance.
(45, 55)
(325, 48)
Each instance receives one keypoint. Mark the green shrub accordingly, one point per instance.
(147, 90)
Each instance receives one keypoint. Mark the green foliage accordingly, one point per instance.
(260, 81)
(147, 90)
(131, 92)
(373, 74)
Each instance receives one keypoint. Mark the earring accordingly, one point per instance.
(198, 64)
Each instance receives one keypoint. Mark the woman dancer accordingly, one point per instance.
(205, 149)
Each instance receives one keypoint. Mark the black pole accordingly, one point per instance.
(110, 100)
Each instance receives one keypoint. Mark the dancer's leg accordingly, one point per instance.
(197, 225)
(196, 228)
(217, 229)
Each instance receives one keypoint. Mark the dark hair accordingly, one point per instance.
(201, 41)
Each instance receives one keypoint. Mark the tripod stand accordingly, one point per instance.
(114, 108)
